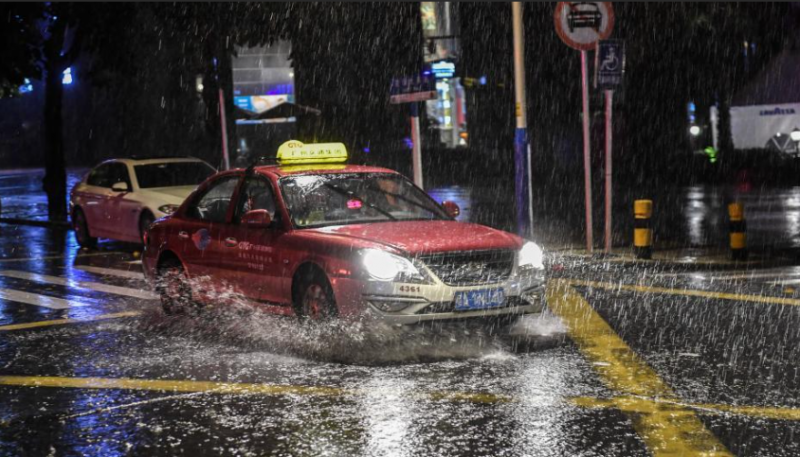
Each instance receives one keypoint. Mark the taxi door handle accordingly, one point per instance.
(183, 235)
(230, 242)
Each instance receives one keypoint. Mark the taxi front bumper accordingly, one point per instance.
(408, 304)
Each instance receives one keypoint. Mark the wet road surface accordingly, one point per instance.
(630, 360)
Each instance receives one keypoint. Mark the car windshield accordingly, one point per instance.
(172, 174)
(357, 198)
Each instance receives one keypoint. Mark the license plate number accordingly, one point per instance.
(479, 299)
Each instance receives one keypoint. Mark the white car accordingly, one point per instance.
(120, 198)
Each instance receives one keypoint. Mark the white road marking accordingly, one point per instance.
(784, 282)
(46, 279)
(44, 301)
(111, 272)
(53, 257)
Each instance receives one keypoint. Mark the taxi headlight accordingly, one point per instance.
(384, 266)
(168, 209)
(530, 256)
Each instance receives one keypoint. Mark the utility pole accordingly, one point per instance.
(522, 152)
(416, 147)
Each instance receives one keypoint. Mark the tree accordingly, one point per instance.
(19, 46)
(51, 36)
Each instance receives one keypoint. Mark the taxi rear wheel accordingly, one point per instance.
(315, 301)
(176, 296)
(81, 228)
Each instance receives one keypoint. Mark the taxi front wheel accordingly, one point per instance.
(176, 296)
(316, 300)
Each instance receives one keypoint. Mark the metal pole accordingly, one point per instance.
(609, 103)
(587, 172)
(225, 157)
(522, 177)
(416, 149)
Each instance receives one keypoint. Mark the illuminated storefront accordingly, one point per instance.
(441, 53)
(263, 79)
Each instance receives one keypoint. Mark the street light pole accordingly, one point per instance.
(522, 152)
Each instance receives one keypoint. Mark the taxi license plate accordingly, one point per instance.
(479, 299)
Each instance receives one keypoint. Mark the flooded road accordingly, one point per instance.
(629, 361)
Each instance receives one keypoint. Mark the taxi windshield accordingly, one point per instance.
(355, 198)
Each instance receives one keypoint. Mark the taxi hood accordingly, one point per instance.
(415, 237)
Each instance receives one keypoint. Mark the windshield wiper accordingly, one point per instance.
(350, 194)
(406, 199)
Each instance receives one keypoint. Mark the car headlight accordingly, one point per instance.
(168, 209)
(384, 266)
(530, 256)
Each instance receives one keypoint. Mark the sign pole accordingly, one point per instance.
(609, 96)
(587, 172)
(414, 89)
(581, 25)
(416, 151)
(225, 157)
(522, 153)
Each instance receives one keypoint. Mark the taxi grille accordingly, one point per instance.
(471, 267)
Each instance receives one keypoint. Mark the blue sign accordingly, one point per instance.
(412, 88)
(443, 69)
(609, 63)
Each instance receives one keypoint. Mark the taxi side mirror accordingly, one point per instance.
(451, 208)
(257, 218)
(119, 187)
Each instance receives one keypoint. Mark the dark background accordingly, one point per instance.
(136, 63)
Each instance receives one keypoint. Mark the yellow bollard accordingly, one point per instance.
(738, 231)
(642, 231)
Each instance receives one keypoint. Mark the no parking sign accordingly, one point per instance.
(582, 24)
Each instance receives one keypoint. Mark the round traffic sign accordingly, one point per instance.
(582, 24)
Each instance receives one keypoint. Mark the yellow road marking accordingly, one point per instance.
(634, 405)
(687, 292)
(29, 325)
(163, 385)
(666, 429)
(168, 385)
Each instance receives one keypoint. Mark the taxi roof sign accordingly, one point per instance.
(294, 152)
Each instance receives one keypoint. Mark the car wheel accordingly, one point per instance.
(175, 293)
(315, 301)
(145, 220)
(82, 230)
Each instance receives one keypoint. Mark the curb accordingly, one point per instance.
(64, 225)
(674, 264)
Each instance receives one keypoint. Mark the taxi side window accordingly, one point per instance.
(256, 194)
(213, 205)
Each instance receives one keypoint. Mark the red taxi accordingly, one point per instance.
(314, 237)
